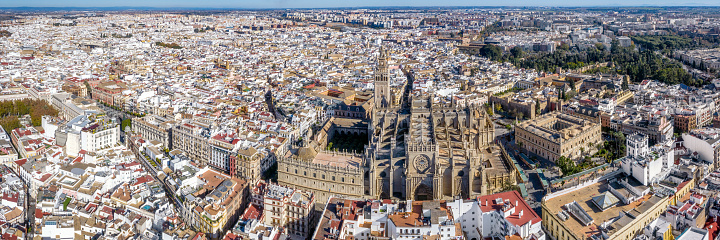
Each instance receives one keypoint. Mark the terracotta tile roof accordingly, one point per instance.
(488, 204)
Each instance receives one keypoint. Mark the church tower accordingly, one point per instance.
(382, 87)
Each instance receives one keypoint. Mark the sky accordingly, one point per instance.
(342, 3)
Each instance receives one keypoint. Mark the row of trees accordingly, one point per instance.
(11, 110)
(672, 42)
(168, 45)
(639, 65)
(115, 35)
(677, 41)
(613, 149)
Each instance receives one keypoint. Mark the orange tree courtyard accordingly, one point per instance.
(11, 110)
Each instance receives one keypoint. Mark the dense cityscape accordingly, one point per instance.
(442, 123)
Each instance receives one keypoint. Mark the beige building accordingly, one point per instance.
(623, 97)
(250, 163)
(153, 127)
(327, 174)
(214, 206)
(192, 138)
(579, 212)
(558, 134)
(289, 208)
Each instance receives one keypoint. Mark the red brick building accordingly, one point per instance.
(107, 92)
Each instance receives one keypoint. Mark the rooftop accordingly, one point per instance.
(584, 198)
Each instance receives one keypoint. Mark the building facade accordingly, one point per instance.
(558, 134)
(423, 149)
(153, 127)
(323, 180)
(107, 92)
(289, 208)
(685, 122)
(103, 133)
(192, 138)
(249, 163)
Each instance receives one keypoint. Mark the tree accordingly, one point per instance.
(498, 108)
(10, 123)
(600, 46)
(125, 123)
(567, 166)
(537, 106)
(491, 51)
(509, 187)
(11, 110)
(517, 52)
(89, 88)
(564, 47)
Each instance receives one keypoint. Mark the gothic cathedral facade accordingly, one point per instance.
(422, 147)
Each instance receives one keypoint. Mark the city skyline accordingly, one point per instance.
(297, 120)
(281, 4)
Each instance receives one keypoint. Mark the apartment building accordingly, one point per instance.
(107, 92)
(289, 208)
(192, 138)
(96, 132)
(214, 201)
(153, 127)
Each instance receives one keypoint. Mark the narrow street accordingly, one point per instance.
(30, 204)
(154, 173)
(534, 188)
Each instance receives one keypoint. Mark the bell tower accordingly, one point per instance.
(382, 87)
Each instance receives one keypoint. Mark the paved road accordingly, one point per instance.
(114, 113)
(534, 188)
(535, 191)
(119, 116)
(154, 172)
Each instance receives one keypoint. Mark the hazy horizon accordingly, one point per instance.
(344, 4)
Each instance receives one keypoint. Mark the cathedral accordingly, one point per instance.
(424, 147)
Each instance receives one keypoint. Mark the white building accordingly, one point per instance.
(646, 164)
(694, 234)
(706, 142)
(624, 41)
